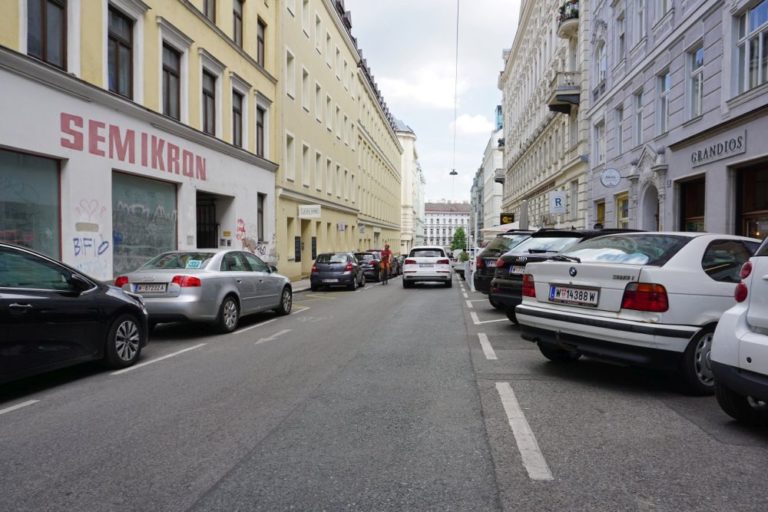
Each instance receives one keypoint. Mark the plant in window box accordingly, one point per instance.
(568, 11)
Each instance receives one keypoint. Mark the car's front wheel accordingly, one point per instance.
(698, 378)
(124, 341)
(286, 302)
(742, 408)
(229, 314)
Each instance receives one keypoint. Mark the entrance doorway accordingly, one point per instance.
(651, 209)
(753, 201)
(212, 211)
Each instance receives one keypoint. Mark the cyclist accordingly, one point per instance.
(386, 256)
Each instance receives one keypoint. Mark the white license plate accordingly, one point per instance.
(426, 265)
(517, 269)
(151, 288)
(330, 280)
(568, 295)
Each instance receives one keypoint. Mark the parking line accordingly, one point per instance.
(465, 295)
(477, 321)
(277, 334)
(533, 459)
(300, 311)
(173, 354)
(323, 297)
(244, 329)
(469, 304)
(486, 346)
(18, 406)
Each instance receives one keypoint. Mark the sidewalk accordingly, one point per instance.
(300, 285)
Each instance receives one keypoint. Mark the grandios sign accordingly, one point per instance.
(129, 146)
(715, 151)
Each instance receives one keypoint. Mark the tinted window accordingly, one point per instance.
(179, 260)
(650, 249)
(502, 244)
(723, 259)
(427, 253)
(21, 270)
(256, 264)
(332, 258)
(546, 244)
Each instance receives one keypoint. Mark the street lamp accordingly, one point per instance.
(453, 172)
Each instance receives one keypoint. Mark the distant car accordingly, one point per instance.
(336, 269)
(485, 261)
(644, 299)
(370, 262)
(395, 267)
(208, 285)
(740, 346)
(425, 264)
(52, 316)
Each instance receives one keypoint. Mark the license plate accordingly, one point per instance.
(579, 296)
(517, 269)
(426, 265)
(330, 280)
(151, 288)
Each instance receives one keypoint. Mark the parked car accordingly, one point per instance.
(395, 267)
(644, 299)
(458, 264)
(208, 285)
(370, 262)
(427, 263)
(52, 315)
(485, 261)
(506, 286)
(336, 269)
(740, 346)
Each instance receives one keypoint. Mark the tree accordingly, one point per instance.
(459, 239)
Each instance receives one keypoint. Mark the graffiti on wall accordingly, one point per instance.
(90, 246)
(262, 249)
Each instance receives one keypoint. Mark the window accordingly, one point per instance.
(620, 130)
(692, 197)
(290, 75)
(305, 94)
(328, 177)
(47, 31)
(261, 30)
(291, 6)
(328, 113)
(622, 211)
(261, 114)
(305, 16)
(621, 38)
(305, 169)
(600, 213)
(337, 121)
(665, 87)
(664, 7)
(262, 198)
(237, 22)
(290, 158)
(752, 201)
(696, 82)
(171, 82)
(601, 61)
(234, 262)
(318, 102)
(255, 263)
(209, 9)
(640, 21)
(753, 47)
(237, 119)
(318, 34)
(318, 170)
(638, 139)
(209, 103)
(328, 55)
(338, 63)
(723, 259)
(120, 53)
(599, 143)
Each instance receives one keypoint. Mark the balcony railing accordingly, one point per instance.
(564, 91)
(568, 19)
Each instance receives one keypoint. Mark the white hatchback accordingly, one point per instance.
(644, 299)
(740, 346)
(427, 263)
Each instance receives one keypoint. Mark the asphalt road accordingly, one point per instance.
(380, 399)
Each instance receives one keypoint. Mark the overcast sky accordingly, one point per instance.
(410, 48)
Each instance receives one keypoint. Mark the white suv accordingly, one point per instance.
(427, 263)
(739, 356)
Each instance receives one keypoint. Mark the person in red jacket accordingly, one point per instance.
(386, 256)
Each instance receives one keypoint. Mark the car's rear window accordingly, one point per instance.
(332, 258)
(363, 256)
(650, 249)
(543, 244)
(179, 260)
(427, 253)
(763, 250)
(503, 243)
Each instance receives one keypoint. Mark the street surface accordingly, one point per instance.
(379, 399)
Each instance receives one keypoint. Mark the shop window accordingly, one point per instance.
(753, 200)
(692, 196)
(622, 211)
(144, 219)
(29, 202)
(47, 31)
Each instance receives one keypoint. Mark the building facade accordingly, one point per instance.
(412, 191)
(477, 205)
(443, 219)
(545, 99)
(138, 127)
(676, 123)
(493, 191)
(338, 186)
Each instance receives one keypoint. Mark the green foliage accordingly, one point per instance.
(463, 256)
(459, 239)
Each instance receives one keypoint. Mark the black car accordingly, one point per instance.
(52, 316)
(371, 262)
(336, 269)
(506, 290)
(485, 261)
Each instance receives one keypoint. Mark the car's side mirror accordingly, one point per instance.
(272, 268)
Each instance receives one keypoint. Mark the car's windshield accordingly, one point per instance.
(646, 249)
(179, 260)
(545, 244)
(332, 258)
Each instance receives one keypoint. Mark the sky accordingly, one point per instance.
(410, 47)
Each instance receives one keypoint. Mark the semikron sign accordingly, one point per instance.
(724, 148)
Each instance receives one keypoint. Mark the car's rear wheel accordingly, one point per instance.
(314, 287)
(286, 302)
(556, 354)
(229, 314)
(495, 304)
(124, 341)
(406, 284)
(449, 283)
(362, 280)
(353, 285)
(698, 378)
(743, 408)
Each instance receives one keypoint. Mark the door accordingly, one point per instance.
(268, 285)
(235, 269)
(207, 229)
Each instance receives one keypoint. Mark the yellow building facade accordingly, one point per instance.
(337, 189)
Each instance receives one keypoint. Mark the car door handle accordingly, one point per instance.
(20, 308)
(239, 281)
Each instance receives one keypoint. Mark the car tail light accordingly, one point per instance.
(187, 281)
(746, 270)
(443, 262)
(409, 262)
(529, 288)
(479, 263)
(121, 281)
(500, 263)
(645, 297)
(741, 292)
(314, 269)
(348, 268)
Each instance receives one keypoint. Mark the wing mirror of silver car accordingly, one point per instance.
(272, 268)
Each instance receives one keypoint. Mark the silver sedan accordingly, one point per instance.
(208, 285)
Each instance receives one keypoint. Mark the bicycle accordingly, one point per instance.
(384, 274)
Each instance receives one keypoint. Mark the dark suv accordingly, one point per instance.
(485, 261)
(506, 290)
(369, 261)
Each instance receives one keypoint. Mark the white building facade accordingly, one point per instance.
(412, 190)
(493, 162)
(443, 219)
(677, 120)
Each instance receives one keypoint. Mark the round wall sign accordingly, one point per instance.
(610, 178)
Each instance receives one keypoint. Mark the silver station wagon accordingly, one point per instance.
(208, 285)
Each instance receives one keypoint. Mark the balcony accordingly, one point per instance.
(564, 91)
(499, 175)
(568, 20)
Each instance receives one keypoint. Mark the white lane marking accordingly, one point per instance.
(477, 321)
(533, 459)
(173, 354)
(477, 300)
(485, 344)
(469, 304)
(18, 406)
(244, 329)
(465, 295)
(279, 333)
(300, 311)
(323, 297)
